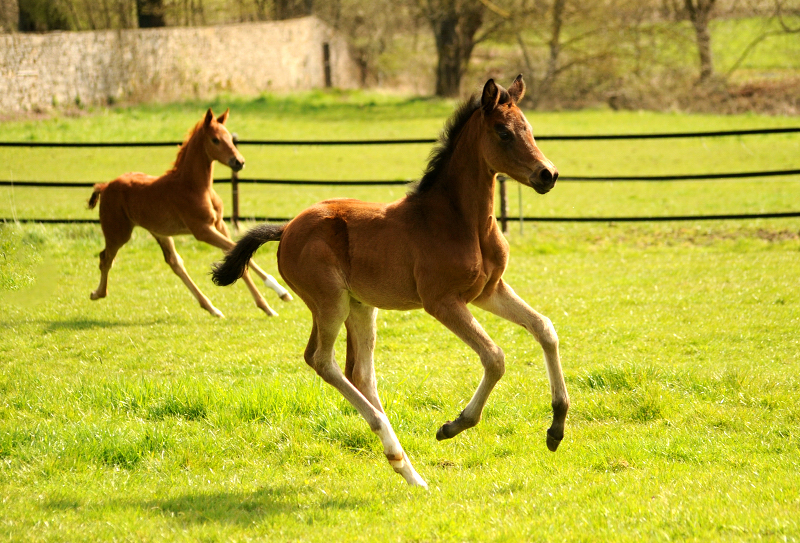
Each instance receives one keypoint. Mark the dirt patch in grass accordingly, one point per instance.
(773, 97)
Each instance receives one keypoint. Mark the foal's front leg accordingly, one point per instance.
(505, 303)
(454, 314)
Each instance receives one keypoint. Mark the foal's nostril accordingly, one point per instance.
(555, 176)
(546, 176)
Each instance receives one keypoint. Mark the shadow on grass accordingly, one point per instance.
(49, 326)
(245, 507)
(90, 324)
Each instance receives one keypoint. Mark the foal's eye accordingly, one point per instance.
(215, 141)
(503, 133)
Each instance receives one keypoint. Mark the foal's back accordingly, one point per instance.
(145, 200)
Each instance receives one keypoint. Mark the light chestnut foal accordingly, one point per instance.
(182, 201)
(438, 248)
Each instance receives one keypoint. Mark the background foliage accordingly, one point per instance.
(624, 53)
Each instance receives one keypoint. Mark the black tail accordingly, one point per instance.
(229, 270)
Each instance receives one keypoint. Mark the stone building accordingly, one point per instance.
(38, 71)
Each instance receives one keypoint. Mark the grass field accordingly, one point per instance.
(142, 418)
(366, 116)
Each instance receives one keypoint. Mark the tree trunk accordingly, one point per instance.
(289, 9)
(700, 15)
(41, 16)
(454, 27)
(448, 66)
(554, 45)
(150, 13)
(9, 15)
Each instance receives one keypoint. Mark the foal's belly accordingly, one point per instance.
(382, 299)
(162, 226)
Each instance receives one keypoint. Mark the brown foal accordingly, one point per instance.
(182, 201)
(438, 248)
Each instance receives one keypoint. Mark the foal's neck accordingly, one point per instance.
(196, 168)
(468, 180)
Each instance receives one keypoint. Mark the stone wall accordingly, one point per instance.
(40, 71)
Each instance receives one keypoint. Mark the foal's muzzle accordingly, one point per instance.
(544, 181)
(236, 164)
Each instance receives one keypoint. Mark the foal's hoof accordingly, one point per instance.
(553, 442)
(95, 296)
(216, 312)
(269, 311)
(442, 433)
(286, 297)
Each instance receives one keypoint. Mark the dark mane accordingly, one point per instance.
(440, 155)
(185, 145)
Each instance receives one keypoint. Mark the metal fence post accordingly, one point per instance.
(235, 192)
(503, 204)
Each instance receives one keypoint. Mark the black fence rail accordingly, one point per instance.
(561, 178)
(235, 217)
(567, 137)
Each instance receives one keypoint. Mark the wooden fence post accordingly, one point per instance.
(235, 192)
(326, 64)
(503, 204)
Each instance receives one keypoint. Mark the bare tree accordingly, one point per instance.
(262, 9)
(125, 13)
(41, 16)
(699, 12)
(781, 10)
(289, 9)
(454, 24)
(788, 8)
(569, 39)
(9, 15)
(150, 13)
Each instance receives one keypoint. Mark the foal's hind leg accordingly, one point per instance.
(176, 263)
(117, 232)
(505, 303)
(107, 257)
(320, 356)
(360, 365)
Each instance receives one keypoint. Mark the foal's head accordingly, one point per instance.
(507, 139)
(218, 143)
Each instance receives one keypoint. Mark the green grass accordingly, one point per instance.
(140, 417)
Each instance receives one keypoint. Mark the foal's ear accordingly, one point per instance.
(517, 89)
(224, 117)
(490, 97)
(209, 117)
